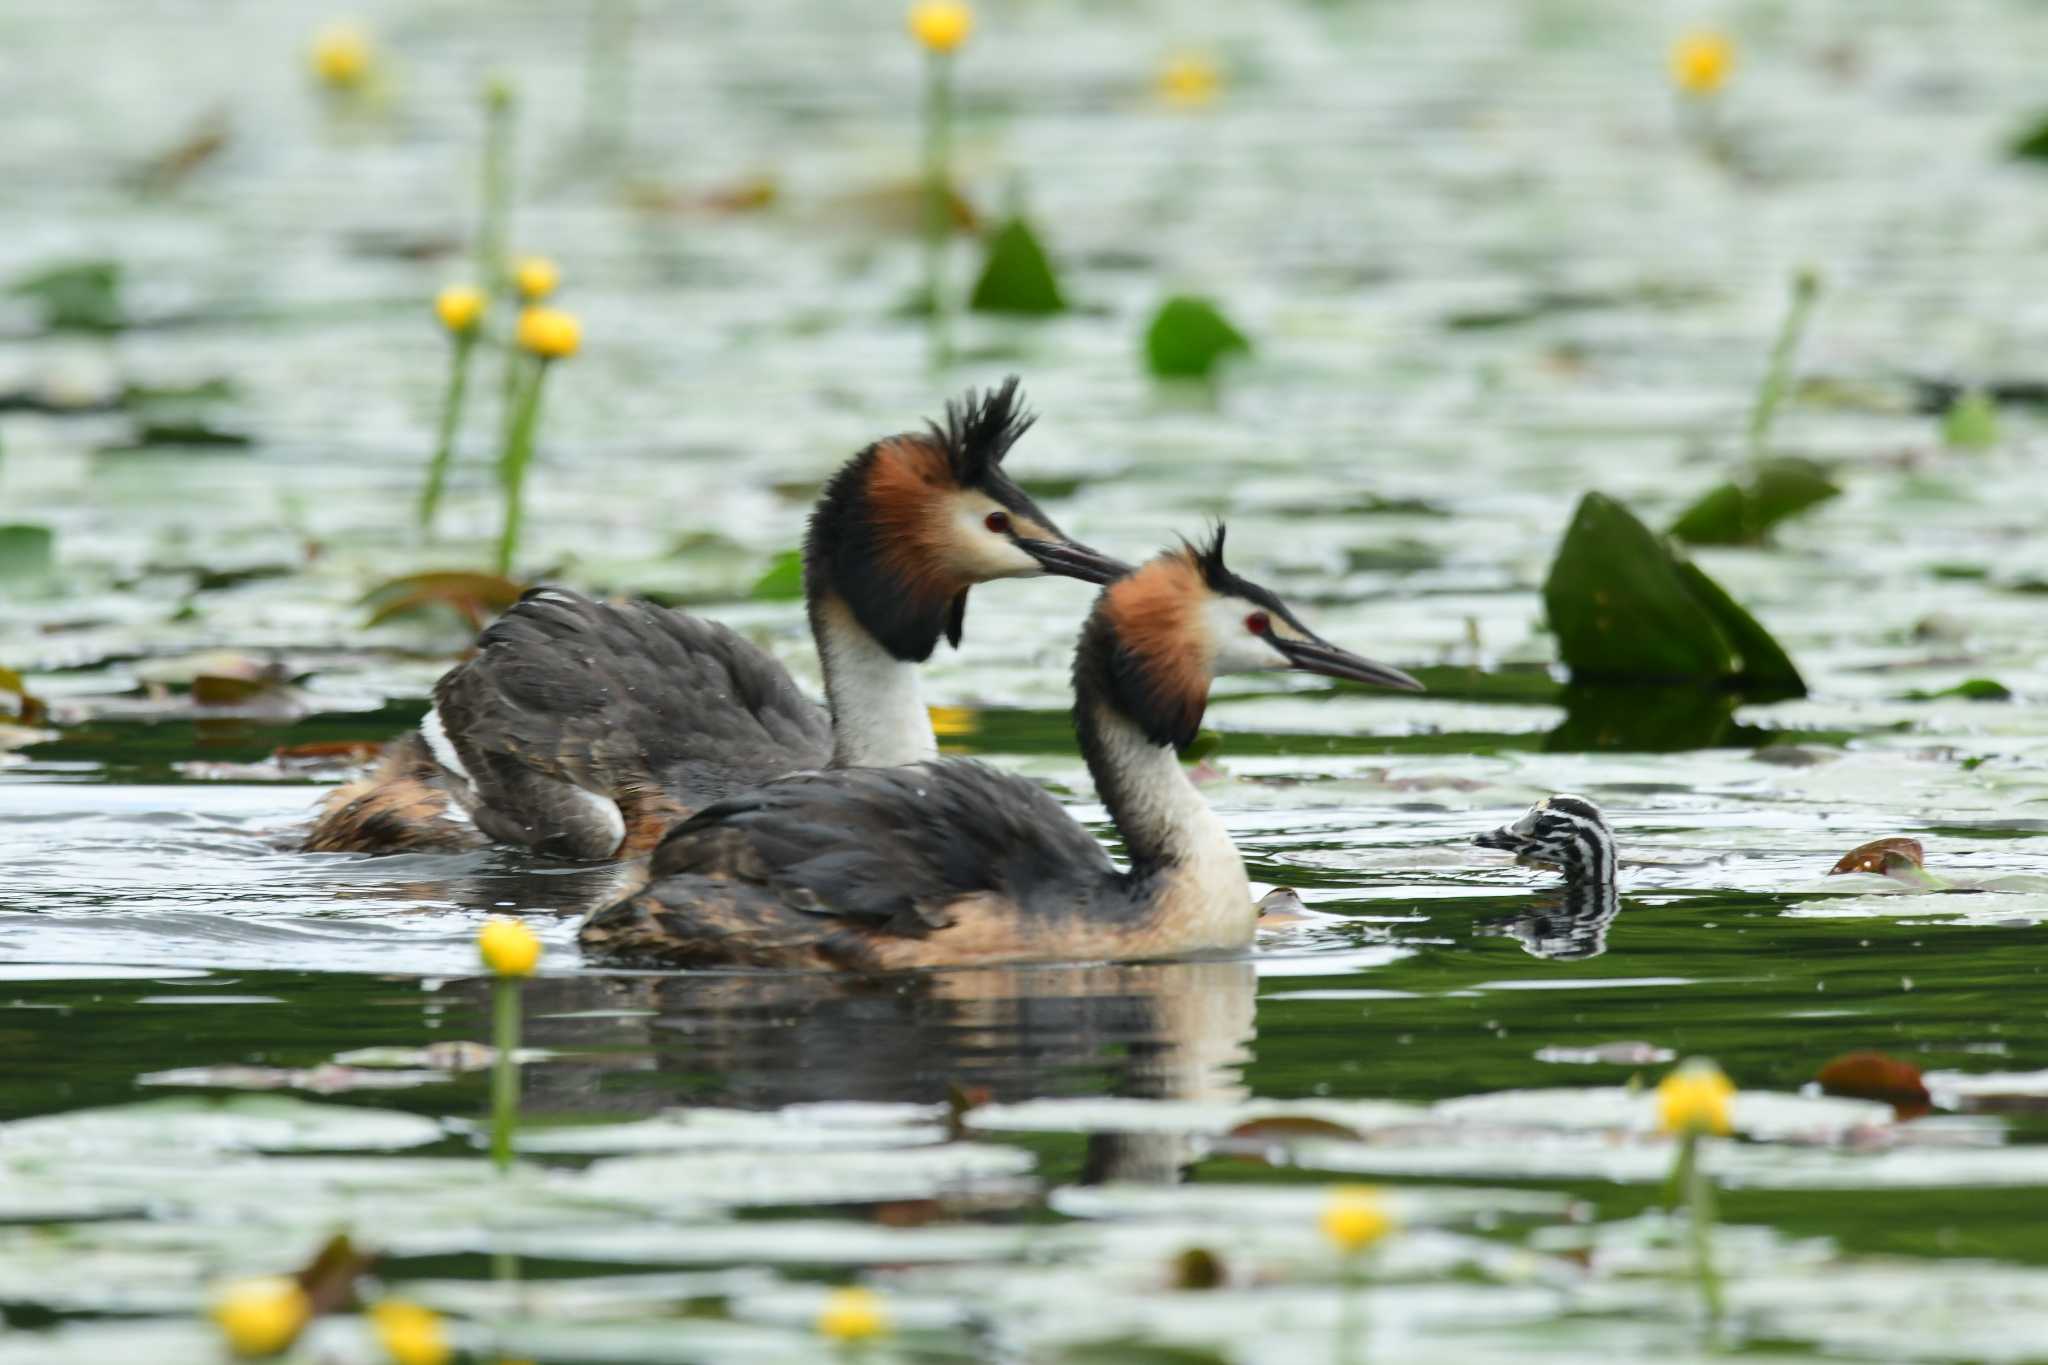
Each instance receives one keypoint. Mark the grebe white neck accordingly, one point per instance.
(879, 717)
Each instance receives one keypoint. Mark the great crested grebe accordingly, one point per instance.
(587, 730)
(952, 862)
(1570, 834)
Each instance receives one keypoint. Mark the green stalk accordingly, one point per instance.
(1350, 1325)
(938, 155)
(500, 109)
(505, 1071)
(1778, 376)
(451, 422)
(1699, 1199)
(512, 463)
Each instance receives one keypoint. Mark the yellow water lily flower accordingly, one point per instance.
(460, 307)
(1189, 80)
(1695, 1099)
(952, 722)
(1701, 61)
(536, 277)
(410, 1334)
(508, 947)
(1355, 1219)
(549, 333)
(262, 1317)
(341, 54)
(941, 25)
(852, 1315)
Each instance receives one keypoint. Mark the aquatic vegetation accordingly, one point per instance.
(512, 952)
(1628, 610)
(460, 308)
(1189, 80)
(1189, 337)
(535, 277)
(1971, 422)
(494, 193)
(1017, 276)
(853, 1315)
(940, 27)
(1693, 1102)
(341, 55)
(409, 1333)
(261, 1318)
(75, 296)
(546, 335)
(473, 597)
(26, 553)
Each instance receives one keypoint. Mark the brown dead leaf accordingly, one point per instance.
(28, 708)
(1876, 1076)
(1881, 856)
(475, 597)
(1290, 1128)
(329, 1279)
(1197, 1268)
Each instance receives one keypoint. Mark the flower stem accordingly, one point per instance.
(513, 460)
(1699, 1200)
(1778, 375)
(938, 209)
(505, 1069)
(451, 422)
(1350, 1322)
(500, 110)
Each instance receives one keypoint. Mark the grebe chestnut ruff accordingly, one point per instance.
(587, 730)
(1570, 834)
(947, 862)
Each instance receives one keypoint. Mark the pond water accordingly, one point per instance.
(1486, 265)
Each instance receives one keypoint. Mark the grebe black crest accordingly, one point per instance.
(587, 730)
(1570, 834)
(952, 862)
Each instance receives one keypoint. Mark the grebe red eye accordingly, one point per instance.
(999, 522)
(1258, 623)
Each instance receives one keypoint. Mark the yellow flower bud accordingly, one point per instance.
(1694, 1099)
(341, 54)
(549, 333)
(1189, 80)
(460, 307)
(852, 1315)
(262, 1317)
(509, 948)
(1355, 1218)
(410, 1334)
(1701, 61)
(536, 277)
(941, 25)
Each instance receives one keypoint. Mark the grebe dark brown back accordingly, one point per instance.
(587, 730)
(953, 862)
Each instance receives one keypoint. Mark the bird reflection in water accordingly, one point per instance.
(1568, 833)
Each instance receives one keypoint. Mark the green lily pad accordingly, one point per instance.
(26, 551)
(1627, 610)
(1971, 422)
(2032, 144)
(784, 581)
(1971, 689)
(79, 296)
(1017, 276)
(1743, 513)
(1189, 337)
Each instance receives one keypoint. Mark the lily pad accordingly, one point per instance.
(26, 551)
(1189, 337)
(1627, 610)
(475, 597)
(1017, 276)
(1743, 513)
(1971, 422)
(784, 581)
(78, 296)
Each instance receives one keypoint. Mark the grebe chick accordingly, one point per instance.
(587, 730)
(951, 862)
(1570, 834)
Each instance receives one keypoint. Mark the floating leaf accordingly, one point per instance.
(476, 597)
(81, 296)
(1628, 610)
(1289, 1128)
(26, 551)
(28, 708)
(1970, 689)
(1017, 277)
(1188, 337)
(1743, 513)
(1971, 422)
(1879, 855)
(2032, 144)
(1875, 1076)
(784, 581)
